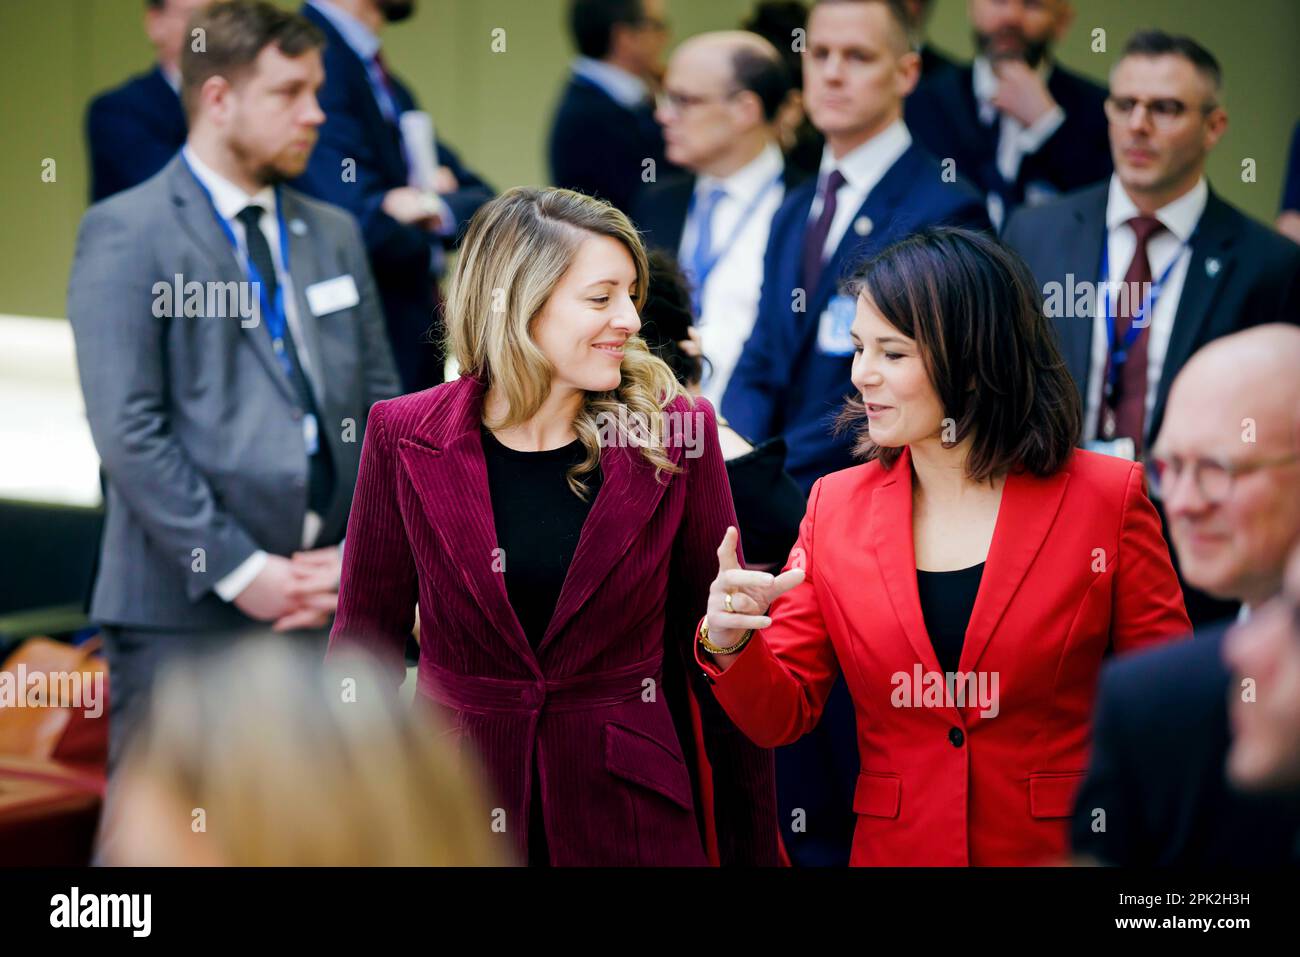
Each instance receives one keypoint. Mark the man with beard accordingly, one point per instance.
(378, 159)
(1018, 125)
(230, 345)
(1173, 265)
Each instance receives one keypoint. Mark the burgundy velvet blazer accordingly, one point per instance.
(607, 710)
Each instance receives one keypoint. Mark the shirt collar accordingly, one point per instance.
(356, 34)
(985, 80)
(751, 179)
(226, 196)
(171, 77)
(626, 89)
(1179, 217)
(866, 165)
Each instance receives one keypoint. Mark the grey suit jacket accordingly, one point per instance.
(197, 425)
(1241, 274)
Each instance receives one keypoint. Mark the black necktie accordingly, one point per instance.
(320, 466)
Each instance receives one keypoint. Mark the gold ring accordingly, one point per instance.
(727, 602)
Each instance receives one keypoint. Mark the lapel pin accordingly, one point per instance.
(863, 225)
(1212, 266)
(297, 227)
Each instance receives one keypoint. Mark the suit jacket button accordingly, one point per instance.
(956, 737)
(708, 677)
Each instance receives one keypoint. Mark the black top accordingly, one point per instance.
(769, 503)
(947, 599)
(538, 521)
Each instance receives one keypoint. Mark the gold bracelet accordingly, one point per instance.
(713, 649)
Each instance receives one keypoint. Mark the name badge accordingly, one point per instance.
(331, 295)
(1121, 448)
(833, 327)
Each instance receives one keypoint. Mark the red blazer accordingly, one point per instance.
(1077, 569)
(605, 710)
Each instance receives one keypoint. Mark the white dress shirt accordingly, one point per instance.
(739, 228)
(1015, 140)
(229, 200)
(862, 169)
(1179, 219)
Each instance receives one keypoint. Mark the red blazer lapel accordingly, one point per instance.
(1028, 509)
(891, 534)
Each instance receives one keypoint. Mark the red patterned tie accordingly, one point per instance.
(1123, 414)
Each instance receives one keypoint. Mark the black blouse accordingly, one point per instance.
(538, 521)
(947, 600)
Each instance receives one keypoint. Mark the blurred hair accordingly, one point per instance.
(763, 74)
(974, 309)
(776, 21)
(593, 22)
(903, 32)
(1159, 43)
(234, 33)
(666, 317)
(299, 763)
(515, 252)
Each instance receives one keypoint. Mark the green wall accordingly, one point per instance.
(495, 107)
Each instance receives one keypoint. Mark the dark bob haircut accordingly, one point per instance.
(974, 310)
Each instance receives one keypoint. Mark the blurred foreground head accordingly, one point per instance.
(264, 756)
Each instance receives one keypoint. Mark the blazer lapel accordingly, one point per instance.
(629, 494)
(444, 460)
(199, 220)
(1207, 273)
(305, 270)
(1081, 258)
(891, 536)
(1025, 515)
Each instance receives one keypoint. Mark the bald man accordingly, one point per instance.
(1227, 464)
(722, 92)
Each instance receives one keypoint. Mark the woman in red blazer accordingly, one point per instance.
(551, 512)
(968, 580)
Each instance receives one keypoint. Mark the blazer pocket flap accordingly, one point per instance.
(636, 757)
(878, 795)
(1051, 794)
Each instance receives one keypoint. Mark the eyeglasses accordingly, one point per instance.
(672, 100)
(1164, 112)
(1214, 477)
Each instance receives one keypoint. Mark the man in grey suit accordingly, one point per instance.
(1142, 271)
(230, 344)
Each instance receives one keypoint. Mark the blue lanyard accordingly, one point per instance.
(722, 249)
(272, 312)
(1120, 356)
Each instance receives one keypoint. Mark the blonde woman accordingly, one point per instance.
(550, 512)
(263, 757)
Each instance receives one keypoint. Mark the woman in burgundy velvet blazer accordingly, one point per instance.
(598, 707)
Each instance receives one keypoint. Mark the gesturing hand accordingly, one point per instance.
(751, 593)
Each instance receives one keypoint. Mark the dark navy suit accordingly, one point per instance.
(944, 117)
(784, 385)
(400, 256)
(599, 147)
(1159, 742)
(132, 132)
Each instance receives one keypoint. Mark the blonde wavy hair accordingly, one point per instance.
(294, 762)
(517, 248)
